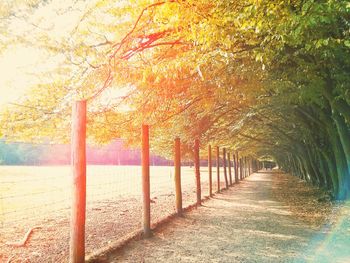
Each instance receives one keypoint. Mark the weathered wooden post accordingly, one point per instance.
(244, 167)
(235, 159)
(218, 167)
(78, 162)
(210, 171)
(225, 167)
(197, 167)
(247, 164)
(229, 168)
(256, 165)
(146, 220)
(177, 164)
(250, 165)
(240, 169)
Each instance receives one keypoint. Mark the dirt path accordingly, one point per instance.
(255, 221)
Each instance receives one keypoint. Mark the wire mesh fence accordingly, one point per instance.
(34, 198)
(162, 192)
(38, 199)
(113, 203)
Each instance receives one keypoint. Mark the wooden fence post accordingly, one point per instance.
(255, 165)
(225, 167)
(235, 159)
(177, 164)
(197, 168)
(240, 169)
(218, 167)
(78, 162)
(243, 166)
(146, 192)
(210, 171)
(229, 168)
(250, 166)
(247, 166)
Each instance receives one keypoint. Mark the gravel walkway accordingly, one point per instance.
(251, 222)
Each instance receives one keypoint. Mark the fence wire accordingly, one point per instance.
(38, 198)
(113, 204)
(34, 199)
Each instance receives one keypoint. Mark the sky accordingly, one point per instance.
(17, 66)
(21, 64)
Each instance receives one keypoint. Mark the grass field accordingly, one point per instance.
(41, 196)
(45, 188)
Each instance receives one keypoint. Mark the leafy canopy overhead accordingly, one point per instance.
(265, 78)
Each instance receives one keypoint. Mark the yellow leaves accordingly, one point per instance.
(199, 72)
(259, 57)
(95, 79)
(178, 86)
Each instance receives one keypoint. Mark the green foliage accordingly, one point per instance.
(265, 78)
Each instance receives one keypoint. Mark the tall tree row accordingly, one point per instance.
(264, 78)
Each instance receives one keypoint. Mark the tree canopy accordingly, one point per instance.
(264, 78)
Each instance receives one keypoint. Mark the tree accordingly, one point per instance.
(265, 78)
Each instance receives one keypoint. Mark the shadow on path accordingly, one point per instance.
(243, 224)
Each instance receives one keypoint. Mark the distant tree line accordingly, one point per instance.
(115, 153)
